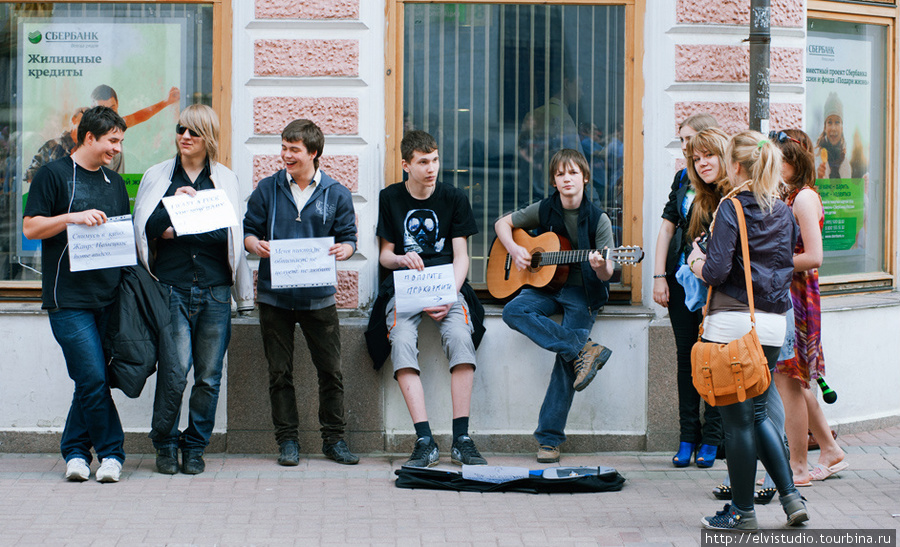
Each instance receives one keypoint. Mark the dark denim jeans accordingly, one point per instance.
(686, 327)
(323, 337)
(530, 313)
(93, 420)
(201, 330)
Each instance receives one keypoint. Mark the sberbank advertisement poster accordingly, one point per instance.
(66, 67)
(839, 89)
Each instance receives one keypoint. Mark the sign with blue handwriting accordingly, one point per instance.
(434, 286)
(302, 262)
(107, 245)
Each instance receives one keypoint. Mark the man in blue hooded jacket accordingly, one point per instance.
(300, 201)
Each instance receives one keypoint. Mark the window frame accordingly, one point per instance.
(19, 291)
(885, 16)
(632, 229)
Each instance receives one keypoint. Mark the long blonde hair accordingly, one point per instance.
(204, 121)
(761, 159)
(707, 196)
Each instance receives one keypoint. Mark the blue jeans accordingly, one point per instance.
(93, 420)
(530, 313)
(201, 330)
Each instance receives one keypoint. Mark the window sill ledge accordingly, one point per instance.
(861, 301)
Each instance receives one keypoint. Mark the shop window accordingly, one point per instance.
(846, 118)
(502, 88)
(147, 60)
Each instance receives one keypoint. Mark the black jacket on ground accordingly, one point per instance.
(139, 319)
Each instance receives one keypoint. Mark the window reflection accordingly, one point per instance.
(502, 88)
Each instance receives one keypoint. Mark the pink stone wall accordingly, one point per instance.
(307, 9)
(734, 117)
(719, 63)
(334, 115)
(344, 169)
(785, 13)
(306, 57)
(347, 296)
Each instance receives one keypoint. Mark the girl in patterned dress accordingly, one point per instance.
(802, 410)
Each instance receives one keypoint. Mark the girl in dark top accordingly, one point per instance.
(694, 196)
(754, 169)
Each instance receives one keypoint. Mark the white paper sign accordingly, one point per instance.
(434, 286)
(108, 245)
(207, 211)
(302, 262)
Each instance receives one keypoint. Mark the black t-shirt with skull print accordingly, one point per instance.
(425, 226)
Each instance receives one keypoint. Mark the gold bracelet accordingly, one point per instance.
(695, 260)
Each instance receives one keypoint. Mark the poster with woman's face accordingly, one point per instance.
(840, 94)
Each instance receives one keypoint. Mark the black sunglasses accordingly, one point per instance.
(180, 129)
(782, 137)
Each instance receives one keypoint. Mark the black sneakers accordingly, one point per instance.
(731, 518)
(425, 453)
(289, 453)
(465, 453)
(340, 453)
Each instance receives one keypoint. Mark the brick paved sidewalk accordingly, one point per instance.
(249, 500)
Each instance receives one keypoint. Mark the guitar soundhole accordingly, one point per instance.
(535, 260)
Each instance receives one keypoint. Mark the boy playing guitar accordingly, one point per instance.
(567, 214)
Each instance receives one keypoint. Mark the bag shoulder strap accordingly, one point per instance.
(745, 250)
(742, 223)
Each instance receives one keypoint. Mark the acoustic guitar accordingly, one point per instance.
(550, 255)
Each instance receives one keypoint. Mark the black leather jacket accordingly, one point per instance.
(771, 238)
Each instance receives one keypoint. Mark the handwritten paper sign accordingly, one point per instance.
(302, 262)
(414, 290)
(207, 211)
(108, 245)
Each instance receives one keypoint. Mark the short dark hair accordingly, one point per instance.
(567, 156)
(104, 93)
(416, 141)
(309, 134)
(99, 121)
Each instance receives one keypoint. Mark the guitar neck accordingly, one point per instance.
(571, 257)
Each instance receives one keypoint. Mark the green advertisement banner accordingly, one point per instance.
(68, 66)
(844, 203)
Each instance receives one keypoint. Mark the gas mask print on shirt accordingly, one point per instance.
(420, 232)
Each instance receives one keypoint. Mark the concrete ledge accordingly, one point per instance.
(32, 442)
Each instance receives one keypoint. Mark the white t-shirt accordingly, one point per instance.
(725, 326)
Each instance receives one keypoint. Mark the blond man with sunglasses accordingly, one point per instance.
(202, 273)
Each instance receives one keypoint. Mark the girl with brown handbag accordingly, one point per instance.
(756, 301)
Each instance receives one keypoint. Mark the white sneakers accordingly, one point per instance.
(77, 470)
(110, 470)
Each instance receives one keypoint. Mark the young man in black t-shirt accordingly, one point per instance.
(79, 189)
(422, 222)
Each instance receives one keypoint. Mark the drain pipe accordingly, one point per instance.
(760, 38)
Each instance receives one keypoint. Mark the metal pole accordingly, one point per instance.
(760, 37)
